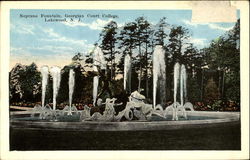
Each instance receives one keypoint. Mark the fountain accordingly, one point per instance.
(44, 72)
(43, 110)
(158, 70)
(71, 85)
(71, 89)
(99, 62)
(127, 73)
(183, 89)
(137, 114)
(95, 88)
(176, 79)
(56, 75)
(180, 77)
(84, 130)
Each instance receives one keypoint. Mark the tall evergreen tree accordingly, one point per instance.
(160, 37)
(175, 48)
(127, 44)
(143, 34)
(223, 55)
(108, 45)
(178, 40)
(160, 34)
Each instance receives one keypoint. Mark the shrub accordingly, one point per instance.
(211, 92)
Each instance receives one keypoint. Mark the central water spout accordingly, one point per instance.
(45, 73)
(158, 71)
(56, 75)
(183, 88)
(98, 61)
(176, 80)
(180, 76)
(127, 73)
(71, 88)
(95, 88)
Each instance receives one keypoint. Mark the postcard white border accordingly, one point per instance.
(140, 5)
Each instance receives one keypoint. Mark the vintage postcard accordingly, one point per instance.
(120, 80)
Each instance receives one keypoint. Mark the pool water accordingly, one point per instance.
(169, 118)
(68, 118)
(76, 118)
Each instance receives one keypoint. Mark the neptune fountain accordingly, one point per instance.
(135, 107)
(137, 114)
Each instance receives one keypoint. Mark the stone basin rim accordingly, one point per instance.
(222, 119)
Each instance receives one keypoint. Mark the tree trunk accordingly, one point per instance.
(202, 74)
(113, 65)
(223, 83)
(180, 48)
(139, 85)
(146, 65)
(111, 54)
(130, 71)
(219, 85)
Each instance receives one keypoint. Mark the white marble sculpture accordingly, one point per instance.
(108, 114)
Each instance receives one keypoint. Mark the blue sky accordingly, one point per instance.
(55, 43)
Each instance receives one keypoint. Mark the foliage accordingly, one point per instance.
(25, 82)
(178, 39)
(109, 39)
(194, 91)
(160, 34)
(223, 54)
(211, 90)
(213, 72)
(216, 105)
(82, 88)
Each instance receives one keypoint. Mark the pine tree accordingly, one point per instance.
(108, 45)
(159, 38)
(223, 55)
(127, 44)
(178, 39)
(143, 34)
(160, 32)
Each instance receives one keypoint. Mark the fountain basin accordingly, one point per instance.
(207, 131)
(196, 119)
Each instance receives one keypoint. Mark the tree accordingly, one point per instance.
(108, 44)
(31, 83)
(178, 40)
(128, 38)
(211, 91)
(135, 35)
(143, 33)
(16, 92)
(80, 83)
(223, 55)
(25, 83)
(160, 33)
(159, 38)
(127, 44)
(175, 51)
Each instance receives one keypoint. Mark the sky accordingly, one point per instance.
(34, 39)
